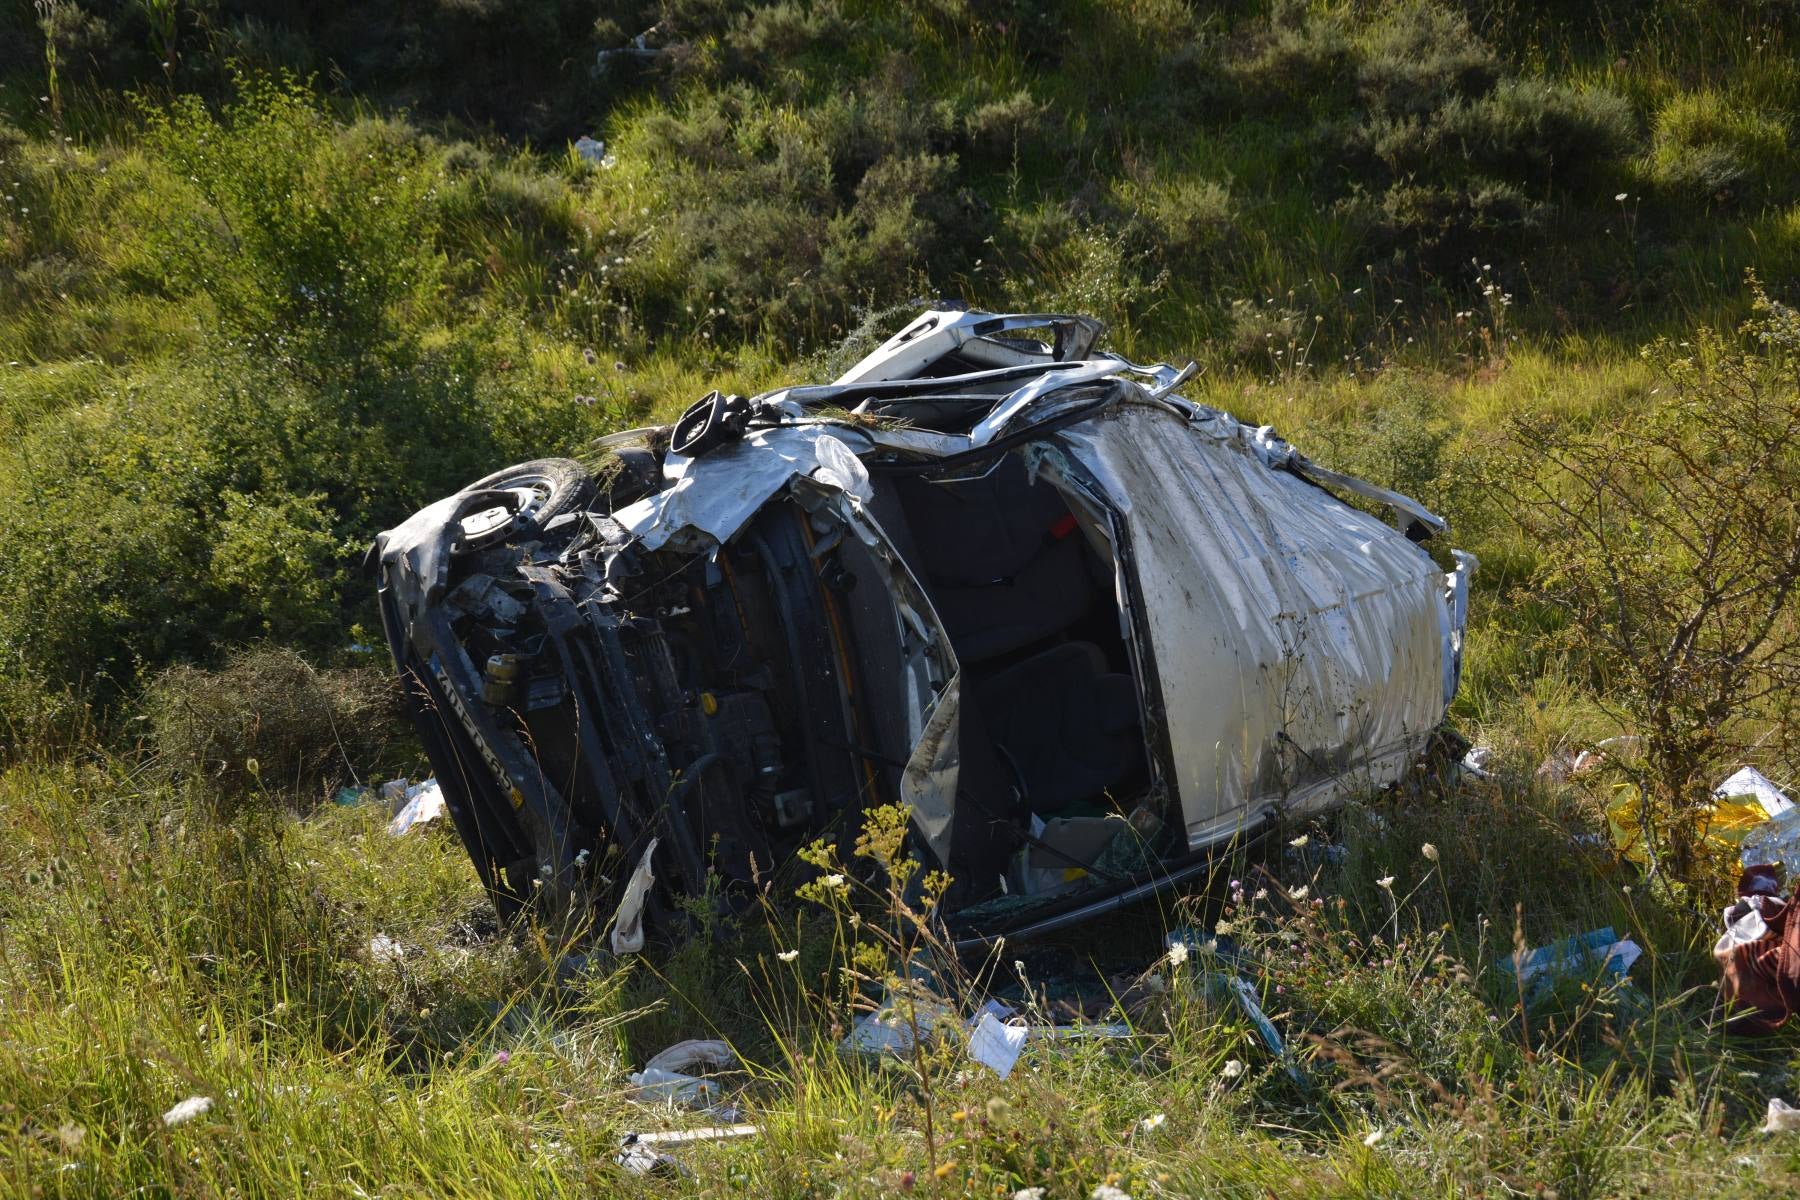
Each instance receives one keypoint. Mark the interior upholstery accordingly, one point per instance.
(999, 556)
(1068, 727)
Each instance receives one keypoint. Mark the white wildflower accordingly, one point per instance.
(187, 1110)
(1371, 1138)
(1621, 197)
(1107, 1191)
(1300, 841)
(1233, 1068)
(1178, 954)
(1028, 1194)
(834, 880)
(1301, 892)
(788, 955)
(1429, 851)
(1386, 883)
(1151, 1123)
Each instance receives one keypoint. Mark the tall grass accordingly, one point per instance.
(152, 953)
(249, 318)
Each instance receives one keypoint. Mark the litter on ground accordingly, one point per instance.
(1782, 1117)
(422, 802)
(996, 1045)
(1759, 954)
(669, 1075)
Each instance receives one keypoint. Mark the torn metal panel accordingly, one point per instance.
(1022, 583)
(715, 496)
(1301, 645)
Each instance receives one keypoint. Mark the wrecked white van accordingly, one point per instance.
(1086, 631)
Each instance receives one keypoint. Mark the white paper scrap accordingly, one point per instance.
(996, 1045)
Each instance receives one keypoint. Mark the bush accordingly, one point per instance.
(1669, 537)
(1299, 59)
(268, 719)
(312, 240)
(1533, 131)
(1190, 216)
(1401, 445)
(1705, 146)
(1420, 58)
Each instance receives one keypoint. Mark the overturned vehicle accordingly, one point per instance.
(1087, 632)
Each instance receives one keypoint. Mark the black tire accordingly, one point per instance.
(563, 483)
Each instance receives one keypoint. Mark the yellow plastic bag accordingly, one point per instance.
(1724, 824)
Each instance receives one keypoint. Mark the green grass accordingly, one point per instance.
(153, 951)
(259, 305)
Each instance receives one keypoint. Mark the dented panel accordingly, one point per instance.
(1020, 583)
(1300, 643)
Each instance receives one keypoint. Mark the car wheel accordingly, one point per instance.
(544, 488)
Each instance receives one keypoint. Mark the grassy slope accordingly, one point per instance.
(1139, 160)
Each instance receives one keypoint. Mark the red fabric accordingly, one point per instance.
(1761, 979)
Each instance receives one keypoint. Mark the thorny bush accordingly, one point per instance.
(1670, 539)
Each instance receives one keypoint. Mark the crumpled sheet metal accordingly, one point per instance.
(717, 494)
(1301, 642)
(929, 673)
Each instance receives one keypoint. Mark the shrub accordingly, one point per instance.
(1190, 215)
(1401, 444)
(312, 240)
(1421, 57)
(1531, 130)
(1706, 146)
(1671, 539)
(1258, 330)
(275, 555)
(269, 719)
(1299, 59)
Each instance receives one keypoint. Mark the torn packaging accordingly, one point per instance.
(990, 573)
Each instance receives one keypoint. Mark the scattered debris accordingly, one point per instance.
(667, 1077)
(1110, 1031)
(671, 1087)
(193, 1106)
(1478, 762)
(348, 797)
(894, 1026)
(1776, 842)
(1583, 956)
(1759, 954)
(640, 1153)
(645, 1160)
(996, 1045)
(637, 50)
(590, 150)
(628, 922)
(1748, 781)
(1748, 813)
(423, 802)
(685, 1056)
(1567, 763)
(1229, 986)
(1782, 1117)
(383, 948)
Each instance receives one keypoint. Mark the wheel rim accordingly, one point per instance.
(532, 491)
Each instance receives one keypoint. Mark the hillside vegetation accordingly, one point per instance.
(274, 276)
